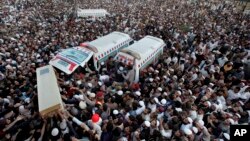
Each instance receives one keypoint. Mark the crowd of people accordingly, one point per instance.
(198, 88)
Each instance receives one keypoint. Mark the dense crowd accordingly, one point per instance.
(198, 88)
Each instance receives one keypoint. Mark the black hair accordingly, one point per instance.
(81, 86)
(134, 105)
(237, 87)
(105, 107)
(109, 127)
(37, 135)
(142, 135)
(130, 67)
(117, 132)
(67, 137)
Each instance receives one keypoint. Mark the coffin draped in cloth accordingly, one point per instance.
(49, 98)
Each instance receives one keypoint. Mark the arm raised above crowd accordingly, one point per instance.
(13, 138)
(43, 130)
(88, 101)
(64, 116)
(78, 122)
(125, 76)
(20, 117)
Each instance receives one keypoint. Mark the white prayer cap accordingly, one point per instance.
(52, 54)
(211, 90)
(190, 92)
(81, 97)
(163, 101)
(67, 82)
(82, 105)
(178, 109)
(74, 111)
(21, 109)
(212, 70)
(157, 123)
(20, 54)
(174, 77)
(88, 92)
(120, 92)
(147, 123)
(38, 55)
(92, 95)
(63, 125)
(182, 79)
(100, 83)
(204, 98)
(243, 85)
(151, 79)
(171, 69)
(90, 85)
(193, 114)
(187, 131)
(121, 68)
(79, 82)
(152, 69)
(195, 130)
(201, 122)
(138, 93)
(9, 67)
(76, 96)
(115, 112)
(178, 92)
(165, 77)
(27, 100)
(226, 135)
(141, 103)
(159, 89)
(102, 63)
(54, 132)
(123, 139)
(158, 78)
(18, 36)
(165, 93)
(156, 100)
(238, 115)
(216, 106)
(217, 68)
(156, 71)
(189, 120)
(208, 103)
(6, 100)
